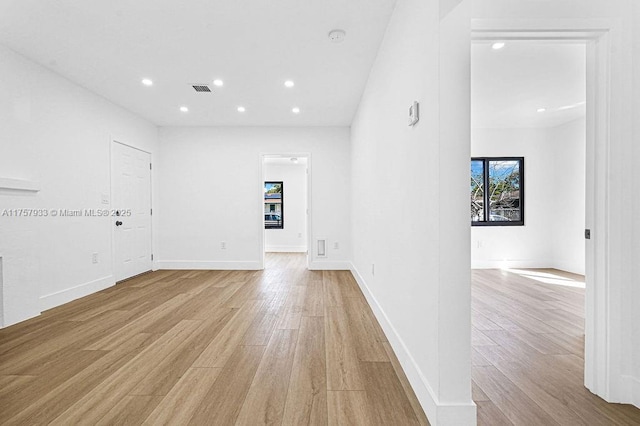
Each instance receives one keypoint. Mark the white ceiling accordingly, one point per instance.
(508, 86)
(252, 45)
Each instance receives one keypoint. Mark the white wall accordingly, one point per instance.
(526, 246)
(212, 191)
(57, 135)
(410, 202)
(568, 190)
(553, 234)
(293, 238)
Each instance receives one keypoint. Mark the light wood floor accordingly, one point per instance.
(287, 346)
(281, 346)
(528, 352)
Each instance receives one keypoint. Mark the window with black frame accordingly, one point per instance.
(273, 205)
(497, 191)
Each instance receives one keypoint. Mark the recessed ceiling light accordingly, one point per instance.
(147, 82)
(542, 109)
(295, 110)
(184, 109)
(241, 109)
(218, 82)
(289, 83)
(497, 46)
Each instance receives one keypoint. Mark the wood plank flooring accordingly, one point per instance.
(288, 346)
(528, 352)
(283, 346)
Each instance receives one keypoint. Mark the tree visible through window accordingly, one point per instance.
(273, 205)
(497, 191)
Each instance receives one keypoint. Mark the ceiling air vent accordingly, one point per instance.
(201, 88)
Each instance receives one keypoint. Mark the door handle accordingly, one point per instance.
(118, 223)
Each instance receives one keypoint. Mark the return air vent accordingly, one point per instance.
(201, 88)
(322, 247)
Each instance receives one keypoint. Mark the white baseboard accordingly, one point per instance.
(330, 265)
(510, 264)
(569, 266)
(58, 298)
(286, 249)
(247, 265)
(632, 385)
(9, 321)
(438, 413)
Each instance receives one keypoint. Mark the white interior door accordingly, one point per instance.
(131, 202)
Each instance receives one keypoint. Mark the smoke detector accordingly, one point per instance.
(337, 36)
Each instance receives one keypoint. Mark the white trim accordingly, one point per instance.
(286, 249)
(262, 157)
(438, 413)
(330, 265)
(120, 140)
(510, 264)
(309, 212)
(633, 384)
(260, 196)
(19, 184)
(569, 266)
(61, 297)
(247, 265)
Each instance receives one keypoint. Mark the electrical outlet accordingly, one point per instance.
(336, 245)
(105, 198)
(223, 245)
(373, 269)
(299, 234)
(94, 258)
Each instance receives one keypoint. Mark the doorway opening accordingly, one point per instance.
(285, 200)
(597, 44)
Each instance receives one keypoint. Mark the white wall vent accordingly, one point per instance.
(322, 248)
(203, 88)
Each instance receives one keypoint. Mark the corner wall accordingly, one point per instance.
(568, 196)
(56, 136)
(410, 202)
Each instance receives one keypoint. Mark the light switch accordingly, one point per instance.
(414, 113)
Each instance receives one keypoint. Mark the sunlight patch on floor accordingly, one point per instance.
(549, 278)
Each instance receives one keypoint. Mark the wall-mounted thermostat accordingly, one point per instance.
(414, 113)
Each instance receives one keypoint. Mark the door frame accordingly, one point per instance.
(112, 141)
(599, 36)
(262, 157)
